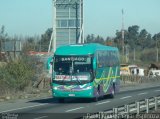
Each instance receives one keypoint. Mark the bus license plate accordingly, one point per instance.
(72, 95)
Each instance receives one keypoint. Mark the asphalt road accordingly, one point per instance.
(49, 108)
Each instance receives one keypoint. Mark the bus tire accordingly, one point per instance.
(95, 99)
(113, 91)
(61, 100)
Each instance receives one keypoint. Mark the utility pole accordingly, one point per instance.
(127, 54)
(157, 47)
(122, 36)
(14, 50)
(40, 46)
(134, 55)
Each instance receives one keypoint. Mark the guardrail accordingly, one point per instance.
(137, 107)
(131, 110)
(139, 79)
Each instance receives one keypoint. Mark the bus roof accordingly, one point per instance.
(82, 49)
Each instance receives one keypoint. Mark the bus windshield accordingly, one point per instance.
(72, 64)
(71, 67)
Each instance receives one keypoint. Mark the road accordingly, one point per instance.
(50, 108)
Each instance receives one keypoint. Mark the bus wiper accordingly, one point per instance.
(63, 79)
(77, 79)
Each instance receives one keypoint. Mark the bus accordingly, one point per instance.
(85, 71)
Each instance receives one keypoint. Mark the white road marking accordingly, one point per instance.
(22, 108)
(143, 93)
(41, 117)
(103, 102)
(157, 90)
(74, 109)
(125, 97)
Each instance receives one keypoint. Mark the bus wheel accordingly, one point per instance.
(95, 99)
(113, 92)
(61, 100)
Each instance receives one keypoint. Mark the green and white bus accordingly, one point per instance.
(85, 71)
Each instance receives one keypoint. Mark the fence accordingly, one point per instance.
(137, 107)
(139, 79)
(132, 110)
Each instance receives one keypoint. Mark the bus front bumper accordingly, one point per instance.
(83, 93)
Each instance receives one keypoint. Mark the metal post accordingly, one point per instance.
(14, 43)
(127, 111)
(123, 35)
(157, 47)
(134, 55)
(147, 105)
(127, 54)
(157, 54)
(138, 107)
(115, 112)
(156, 103)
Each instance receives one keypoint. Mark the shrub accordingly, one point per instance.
(16, 75)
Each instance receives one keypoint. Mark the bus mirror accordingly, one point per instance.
(51, 63)
(94, 64)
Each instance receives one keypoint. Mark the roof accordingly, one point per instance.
(82, 49)
(132, 66)
(124, 65)
(154, 66)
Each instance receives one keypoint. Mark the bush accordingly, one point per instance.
(16, 75)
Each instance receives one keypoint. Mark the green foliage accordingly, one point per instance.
(92, 39)
(37, 43)
(16, 75)
(45, 39)
(148, 55)
(3, 36)
(156, 39)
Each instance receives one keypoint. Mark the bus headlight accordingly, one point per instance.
(89, 87)
(55, 88)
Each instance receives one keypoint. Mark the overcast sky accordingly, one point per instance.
(101, 17)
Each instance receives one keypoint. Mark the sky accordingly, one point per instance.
(101, 17)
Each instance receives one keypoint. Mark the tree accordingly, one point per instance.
(88, 39)
(109, 41)
(156, 39)
(118, 39)
(3, 36)
(149, 43)
(45, 40)
(99, 39)
(142, 38)
(133, 33)
(31, 44)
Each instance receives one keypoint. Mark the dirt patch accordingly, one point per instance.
(30, 93)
